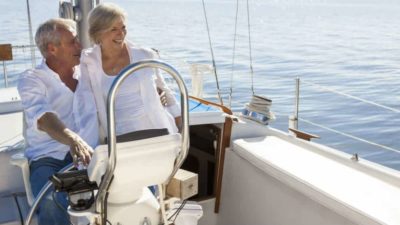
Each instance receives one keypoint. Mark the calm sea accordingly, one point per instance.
(349, 46)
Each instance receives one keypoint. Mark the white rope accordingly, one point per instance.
(233, 54)
(33, 57)
(251, 58)
(212, 55)
(352, 97)
(351, 136)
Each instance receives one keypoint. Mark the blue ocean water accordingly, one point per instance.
(352, 47)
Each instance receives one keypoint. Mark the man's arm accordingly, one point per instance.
(79, 149)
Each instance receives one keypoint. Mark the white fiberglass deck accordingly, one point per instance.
(365, 198)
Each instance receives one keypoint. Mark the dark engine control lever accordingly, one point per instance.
(77, 185)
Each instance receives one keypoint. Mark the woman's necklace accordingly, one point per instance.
(114, 69)
(116, 65)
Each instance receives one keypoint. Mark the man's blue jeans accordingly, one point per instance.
(49, 212)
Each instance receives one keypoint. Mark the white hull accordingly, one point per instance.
(310, 185)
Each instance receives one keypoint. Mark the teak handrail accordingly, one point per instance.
(225, 142)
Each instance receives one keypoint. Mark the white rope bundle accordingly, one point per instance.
(259, 106)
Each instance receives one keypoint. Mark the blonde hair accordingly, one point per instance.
(101, 19)
(47, 33)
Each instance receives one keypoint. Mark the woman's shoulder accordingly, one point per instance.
(89, 54)
(146, 53)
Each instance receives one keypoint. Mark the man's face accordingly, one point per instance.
(68, 52)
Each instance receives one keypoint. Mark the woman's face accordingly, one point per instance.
(115, 35)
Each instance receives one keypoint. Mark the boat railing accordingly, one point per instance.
(21, 59)
(295, 117)
(351, 96)
(112, 160)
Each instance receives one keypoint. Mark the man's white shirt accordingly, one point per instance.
(42, 91)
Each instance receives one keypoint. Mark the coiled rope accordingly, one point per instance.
(261, 105)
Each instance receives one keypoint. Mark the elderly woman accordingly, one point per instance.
(138, 106)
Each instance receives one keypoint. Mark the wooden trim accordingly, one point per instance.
(225, 143)
(6, 52)
(223, 108)
(303, 135)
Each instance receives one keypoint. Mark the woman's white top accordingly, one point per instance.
(137, 105)
(130, 111)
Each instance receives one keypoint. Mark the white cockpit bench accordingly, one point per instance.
(362, 192)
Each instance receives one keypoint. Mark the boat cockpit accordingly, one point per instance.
(209, 133)
(234, 170)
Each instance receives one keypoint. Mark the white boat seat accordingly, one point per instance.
(140, 163)
(21, 161)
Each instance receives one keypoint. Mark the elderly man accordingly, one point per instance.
(60, 113)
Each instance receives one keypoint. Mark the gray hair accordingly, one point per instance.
(47, 33)
(101, 19)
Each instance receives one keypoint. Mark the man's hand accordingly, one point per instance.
(80, 151)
